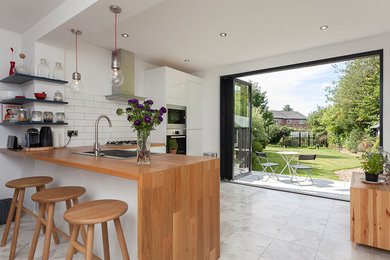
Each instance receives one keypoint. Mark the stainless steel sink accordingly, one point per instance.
(114, 154)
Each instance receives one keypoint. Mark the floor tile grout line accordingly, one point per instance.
(323, 232)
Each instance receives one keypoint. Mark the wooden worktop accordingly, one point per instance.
(178, 199)
(125, 168)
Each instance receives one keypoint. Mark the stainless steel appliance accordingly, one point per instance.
(12, 142)
(32, 138)
(180, 136)
(176, 117)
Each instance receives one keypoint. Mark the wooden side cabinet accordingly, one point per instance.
(370, 213)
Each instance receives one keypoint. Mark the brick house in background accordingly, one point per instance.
(290, 118)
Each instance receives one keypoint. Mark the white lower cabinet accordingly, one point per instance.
(194, 142)
(158, 149)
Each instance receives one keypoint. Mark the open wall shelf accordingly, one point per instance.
(30, 100)
(32, 123)
(19, 79)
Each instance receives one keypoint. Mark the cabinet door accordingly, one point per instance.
(176, 89)
(194, 105)
(194, 142)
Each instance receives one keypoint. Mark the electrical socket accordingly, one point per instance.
(73, 133)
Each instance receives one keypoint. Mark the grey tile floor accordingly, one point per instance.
(261, 224)
(258, 224)
(321, 187)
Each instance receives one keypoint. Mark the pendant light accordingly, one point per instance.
(76, 85)
(116, 76)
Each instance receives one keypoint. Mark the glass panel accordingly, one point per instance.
(242, 130)
(176, 116)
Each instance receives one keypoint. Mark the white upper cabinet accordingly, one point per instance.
(169, 86)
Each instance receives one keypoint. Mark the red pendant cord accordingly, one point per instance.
(115, 34)
(76, 51)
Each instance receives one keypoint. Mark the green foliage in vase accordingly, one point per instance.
(142, 116)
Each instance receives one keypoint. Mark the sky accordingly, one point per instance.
(303, 89)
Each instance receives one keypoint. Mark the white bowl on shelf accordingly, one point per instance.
(7, 94)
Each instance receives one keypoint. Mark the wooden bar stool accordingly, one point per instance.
(20, 186)
(48, 198)
(91, 213)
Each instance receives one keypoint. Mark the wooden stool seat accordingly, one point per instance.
(29, 182)
(91, 213)
(48, 198)
(58, 194)
(20, 186)
(94, 212)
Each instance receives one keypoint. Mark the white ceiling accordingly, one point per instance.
(20, 15)
(168, 32)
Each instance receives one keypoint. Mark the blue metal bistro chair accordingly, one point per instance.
(305, 167)
(262, 156)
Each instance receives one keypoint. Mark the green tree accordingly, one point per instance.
(287, 108)
(355, 101)
(316, 125)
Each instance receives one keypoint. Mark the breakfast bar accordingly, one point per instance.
(173, 202)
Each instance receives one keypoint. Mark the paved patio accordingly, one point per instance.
(322, 188)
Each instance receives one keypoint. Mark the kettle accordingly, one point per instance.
(46, 137)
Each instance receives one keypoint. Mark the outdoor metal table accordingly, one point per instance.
(287, 157)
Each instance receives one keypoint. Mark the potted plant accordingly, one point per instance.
(172, 145)
(372, 164)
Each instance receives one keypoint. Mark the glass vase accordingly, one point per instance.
(143, 147)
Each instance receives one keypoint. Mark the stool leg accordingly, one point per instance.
(82, 228)
(106, 246)
(10, 216)
(73, 239)
(68, 206)
(17, 223)
(121, 239)
(40, 188)
(89, 249)
(49, 228)
(36, 232)
(55, 235)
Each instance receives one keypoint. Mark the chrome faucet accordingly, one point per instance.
(96, 147)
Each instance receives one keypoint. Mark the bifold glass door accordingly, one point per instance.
(242, 155)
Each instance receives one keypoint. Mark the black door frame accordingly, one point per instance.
(227, 102)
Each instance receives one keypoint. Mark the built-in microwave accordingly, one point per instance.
(176, 116)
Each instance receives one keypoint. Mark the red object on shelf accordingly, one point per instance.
(11, 69)
(40, 95)
(20, 97)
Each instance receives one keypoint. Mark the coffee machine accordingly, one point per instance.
(32, 138)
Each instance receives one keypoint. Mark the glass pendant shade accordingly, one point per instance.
(116, 76)
(76, 85)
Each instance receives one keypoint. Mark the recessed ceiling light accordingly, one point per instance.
(324, 27)
(223, 34)
(186, 60)
(125, 35)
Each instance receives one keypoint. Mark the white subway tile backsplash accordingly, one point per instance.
(69, 108)
(81, 113)
(76, 102)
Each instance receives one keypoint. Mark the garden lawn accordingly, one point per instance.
(326, 163)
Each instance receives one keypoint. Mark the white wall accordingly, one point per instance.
(9, 166)
(211, 80)
(94, 64)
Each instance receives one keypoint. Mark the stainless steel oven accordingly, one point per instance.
(176, 117)
(178, 138)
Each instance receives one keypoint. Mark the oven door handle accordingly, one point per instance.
(178, 136)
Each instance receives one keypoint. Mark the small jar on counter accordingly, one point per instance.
(47, 117)
(60, 117)
(36, 116)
